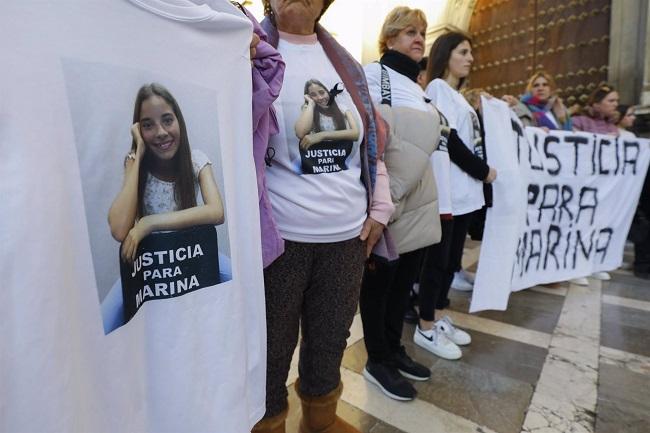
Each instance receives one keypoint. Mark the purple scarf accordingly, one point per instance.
(539, 109)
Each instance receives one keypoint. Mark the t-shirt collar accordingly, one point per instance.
(298, 39)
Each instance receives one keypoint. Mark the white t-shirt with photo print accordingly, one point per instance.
(317, 194)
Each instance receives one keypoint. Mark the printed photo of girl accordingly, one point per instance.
(162, 176)
(326, 130)
(168, 203)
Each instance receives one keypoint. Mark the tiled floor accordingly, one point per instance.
(561, 358)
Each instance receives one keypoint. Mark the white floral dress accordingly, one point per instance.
(159, 194)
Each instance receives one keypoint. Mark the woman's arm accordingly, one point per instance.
(465, 159)
(352, 133)
(305, 121)
(381, 209)
(123, 211)
(209, 213)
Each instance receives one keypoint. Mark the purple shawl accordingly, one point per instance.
(268, 72)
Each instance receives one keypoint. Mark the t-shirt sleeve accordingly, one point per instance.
(373, 76)
(199, 160)
(442, 97)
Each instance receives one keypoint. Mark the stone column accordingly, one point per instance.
(645, 52)
(629, 67)
(456, 16)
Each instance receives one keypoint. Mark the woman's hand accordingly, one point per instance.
(130, 244)
(492, 175)
(559, 109)
(310, 139)
(309, 102)
(371, 232)
(139, 142)
(253, 47)
(510, 100)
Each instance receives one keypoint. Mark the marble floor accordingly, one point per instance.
(561, 358)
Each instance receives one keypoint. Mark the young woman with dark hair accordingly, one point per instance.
(599, 114)
(625, 120)
(450, 61)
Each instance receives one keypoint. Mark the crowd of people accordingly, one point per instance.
(369, 182)
(374, 178)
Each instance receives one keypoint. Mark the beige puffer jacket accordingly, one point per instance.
(414, 136)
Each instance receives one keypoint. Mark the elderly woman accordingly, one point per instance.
(415, 128)
(329, 217)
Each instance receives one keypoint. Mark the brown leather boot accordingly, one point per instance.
(274, 424)
(319, 413)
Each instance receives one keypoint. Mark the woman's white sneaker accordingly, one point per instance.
(435, 341)
(456, 335)
(581, 281)
(603, 276)
(460, 283)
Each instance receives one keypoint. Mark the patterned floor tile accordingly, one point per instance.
(626, 329)
(527, 309)
(623, 401)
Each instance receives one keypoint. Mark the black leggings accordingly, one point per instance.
(384, 298)
(458, 235)
(440, 263)
(435, 277)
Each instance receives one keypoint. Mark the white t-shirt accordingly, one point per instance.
(185, 364)
(408, 94)
(467, 192)
(316, 193)
(624, 133)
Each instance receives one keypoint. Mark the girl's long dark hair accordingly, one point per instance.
(440, 54)
(184, 184)
(332, 109)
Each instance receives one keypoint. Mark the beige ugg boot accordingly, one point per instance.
(319, 413)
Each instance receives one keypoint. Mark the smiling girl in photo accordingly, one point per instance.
(322, 119)
(326, 130)
(162, 176)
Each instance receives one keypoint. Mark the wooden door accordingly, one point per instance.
(514, 38)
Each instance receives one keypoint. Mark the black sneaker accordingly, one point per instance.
(642, 274)
(389, 380)
(411, 316)
(409, 368)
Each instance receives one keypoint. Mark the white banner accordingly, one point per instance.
(563, 205)
(183, 347)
